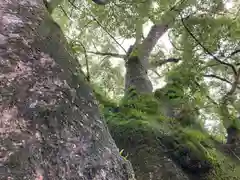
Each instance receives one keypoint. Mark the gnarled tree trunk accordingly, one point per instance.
(50, 126)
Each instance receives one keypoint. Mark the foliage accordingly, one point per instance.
(203, 34)
(195, 151)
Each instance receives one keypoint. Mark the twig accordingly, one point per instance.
(76, 7)
(156, 73)
(109, 34)
(225, 99)
(64, 12)
(217, 77)
(234, 52)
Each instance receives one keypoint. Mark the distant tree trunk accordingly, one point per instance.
(136, 77)
(233, 135)
(50, 126)
(137, 61)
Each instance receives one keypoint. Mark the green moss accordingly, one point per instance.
(146, 137)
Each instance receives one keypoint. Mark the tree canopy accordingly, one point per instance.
(200, 47)
(165, 74)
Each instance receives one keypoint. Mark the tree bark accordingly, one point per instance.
(136, 77)
(137, 60)
(50, 126)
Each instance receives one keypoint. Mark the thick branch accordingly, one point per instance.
(151, 40)
(122, 56)
(158, 30)
(225, 101)
(234, 85)
(234, 52)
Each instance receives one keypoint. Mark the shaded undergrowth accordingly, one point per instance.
(144, 134)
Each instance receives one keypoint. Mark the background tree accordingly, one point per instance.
(190, 30)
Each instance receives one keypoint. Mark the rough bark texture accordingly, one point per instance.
(233, 140)
(50, 127)
(136, 77)
(137, 65)
(150, 41)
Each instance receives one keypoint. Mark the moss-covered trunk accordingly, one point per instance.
(50, 123)
(165, 149)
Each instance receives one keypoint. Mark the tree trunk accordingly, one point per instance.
(50, 126)
(231, 122)
(233, 135)
(136, 77)
(137, 61)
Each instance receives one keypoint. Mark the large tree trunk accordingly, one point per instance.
(50, 126)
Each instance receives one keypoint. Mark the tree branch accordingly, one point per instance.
(157, 30)
(206, 50)
(224, 102)
(87, 64)
(122, 56)
(160, 63)
(159, 76)
(109, 33)
(234, 85)
(108, 54)
(234, 52)
(219, 78)
(76, 7)
(151, 40)
(64, 12)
